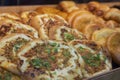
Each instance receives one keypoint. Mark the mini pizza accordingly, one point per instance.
(9, 48)
(91, 58)
(6, 75)
(44, 22)
(10, 26)
(49, 60)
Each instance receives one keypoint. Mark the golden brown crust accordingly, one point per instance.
(44, 22)
(86, 48)
(91, 19)
(89, 29)
(97, 8)
(37, 73)
(68, 6)
(4, 75)
(83, 7)
(51, 10)
(112, 24)
(113, 14)
(82, 20)
(113, 45)
(27, 15)
(46, 10)
(71, 15)
(11, 16)
(8, 26)
(100, 36)
(9, 47)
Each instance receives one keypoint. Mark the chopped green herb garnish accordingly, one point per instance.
(16, 47)
(18, 43)
(92, 60)
(46, 64)
(48, 50)
(58, 45)
(0, 77)
(66, 53)
(30, 30)
(37, 63)
(54, 73)
(98, 57)
(8, 76)
(53, 44)
(55, 50)
(104, 58)
(81, 48)
(47, 79)
(52, 58)
(68, 37)
(96, 64)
